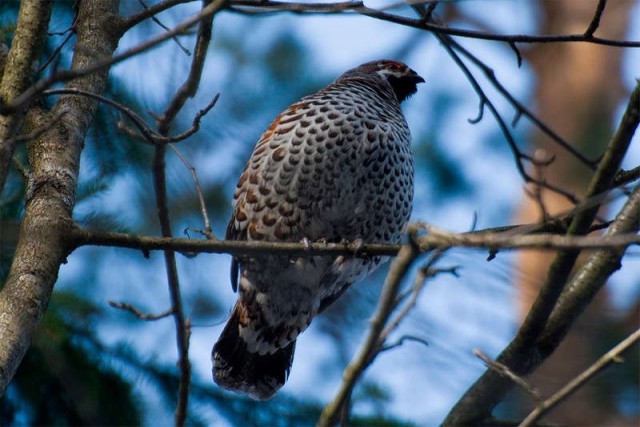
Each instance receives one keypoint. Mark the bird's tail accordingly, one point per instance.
(237, 369)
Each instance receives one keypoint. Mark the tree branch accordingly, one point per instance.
(506, 372)
(595, 22)
(612, 356)
(436, 240)
(254, 7)
(146, 133)
(386, 304)
(187, 90)
(140, 315)
(17, 72)
(54, 159)
(523, 354)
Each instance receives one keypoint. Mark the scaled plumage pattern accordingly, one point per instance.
(334, 166)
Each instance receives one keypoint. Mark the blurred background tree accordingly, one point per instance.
(581, 107)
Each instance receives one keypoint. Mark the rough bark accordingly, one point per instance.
(17, 72)
(54, 160)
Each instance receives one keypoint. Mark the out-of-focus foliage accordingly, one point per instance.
(61, 381)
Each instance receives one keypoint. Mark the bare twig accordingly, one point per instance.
(361, 361)
(182, 337)
(595, 22)
(521, 109)
(148, 134)
(506, 372)
(452, 47)
(401, 341)
(612, 356)
(140, 315)
(155, 19)
(150, 12)
(253, 6)
(424, 272)
(190, 86)
(70, 33)
(187, 90)
(626, 176)
(203, 207)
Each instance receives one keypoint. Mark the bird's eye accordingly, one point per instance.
(396, 66)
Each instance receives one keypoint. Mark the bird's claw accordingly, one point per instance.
(306, 243)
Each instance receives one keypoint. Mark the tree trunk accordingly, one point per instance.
(54, 161)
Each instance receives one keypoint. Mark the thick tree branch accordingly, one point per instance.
(583, 286)
(17, 72)
(54, 159)
(524, 353)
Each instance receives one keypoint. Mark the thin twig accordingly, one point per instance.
(504, 371)
(521, 109)
(149, 12)
(190, 86)
(155, 19)
(148, 134)
(140, 315)
(203, 207)
(187, 90)
(612, 356)
(253, 7)
(626, 176)
(182, 338)
(595, 22)
(361, 361)
(452, 47)
(401, 341)
(424, 272)
(70, 33)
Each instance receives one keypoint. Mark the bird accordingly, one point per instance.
(336, 166)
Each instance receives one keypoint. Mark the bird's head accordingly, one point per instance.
(402, 79)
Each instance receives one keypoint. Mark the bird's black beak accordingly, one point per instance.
(415, 78)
